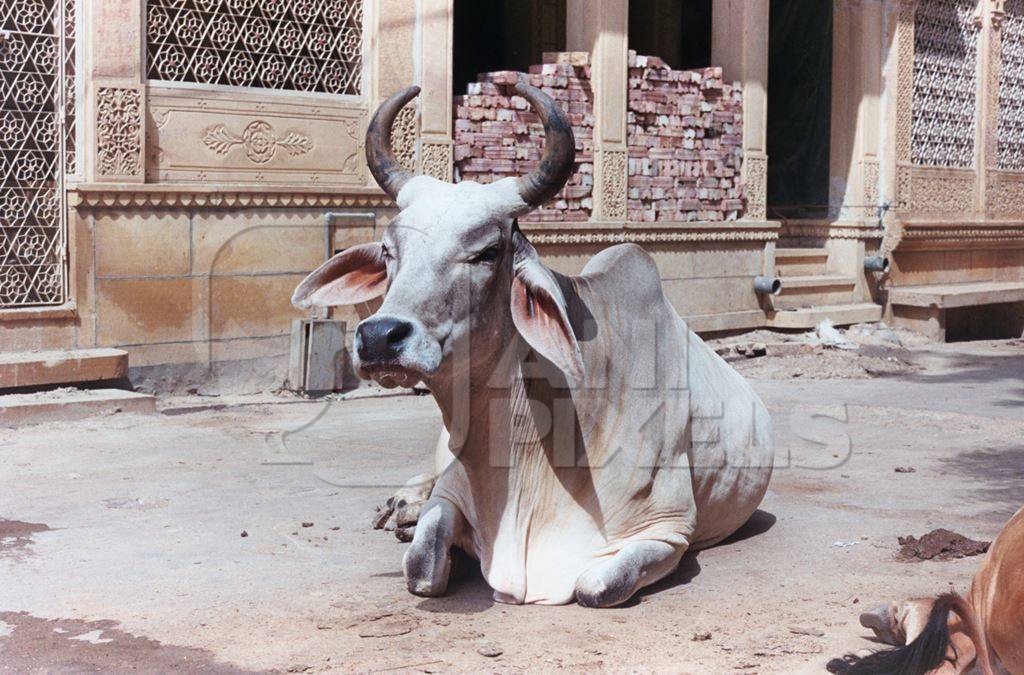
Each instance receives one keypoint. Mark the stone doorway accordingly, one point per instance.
(503, 35)
(799, 108)
(679, 32)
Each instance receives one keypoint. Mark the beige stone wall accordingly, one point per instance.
(205, 286)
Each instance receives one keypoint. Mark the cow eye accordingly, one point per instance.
(487, 256)
(384, 252)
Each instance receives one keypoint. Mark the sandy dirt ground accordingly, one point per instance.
(233, 534)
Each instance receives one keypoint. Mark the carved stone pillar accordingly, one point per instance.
(856, 90)
(435, 64)
(991, 57)
(739, 44)
(903, 110)
(391, 45)
(115, 99)
(601, 28)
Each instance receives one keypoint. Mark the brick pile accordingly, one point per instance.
(685, 131)
(497, 134)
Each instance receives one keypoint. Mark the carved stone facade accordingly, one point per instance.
(208, 160)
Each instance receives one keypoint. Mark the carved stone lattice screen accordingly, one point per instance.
(1011, 89)
(945, 83)
(37, 148)
(297, 45)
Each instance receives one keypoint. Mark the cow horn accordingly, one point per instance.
(556, 165)
(380, 156)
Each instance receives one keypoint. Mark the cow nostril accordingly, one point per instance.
(399, 332)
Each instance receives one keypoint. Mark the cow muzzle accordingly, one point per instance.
(394, 352)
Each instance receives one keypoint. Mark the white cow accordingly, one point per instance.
(590, 437)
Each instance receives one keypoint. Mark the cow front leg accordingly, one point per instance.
(613, 581)
(428, 561)
(401, 511)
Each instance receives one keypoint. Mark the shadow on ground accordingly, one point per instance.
(1000, 470)
(34, 644)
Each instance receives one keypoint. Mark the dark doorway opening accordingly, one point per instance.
(677, 31)
(799, 108)
(1000, 321)
(503, 35)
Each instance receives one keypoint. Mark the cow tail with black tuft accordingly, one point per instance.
(928, 651)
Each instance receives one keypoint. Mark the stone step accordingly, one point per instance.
(815, 289)
(800, 261)
(841, 315)
(41, 369)
(60, 405)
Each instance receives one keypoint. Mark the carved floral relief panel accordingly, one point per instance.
(945, 83)
(212, 137)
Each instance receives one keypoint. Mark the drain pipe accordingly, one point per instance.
(767, 285)
(876, 263)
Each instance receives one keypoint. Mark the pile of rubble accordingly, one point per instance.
(497, 134)
(685, 131)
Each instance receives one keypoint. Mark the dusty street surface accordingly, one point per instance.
(123, 544)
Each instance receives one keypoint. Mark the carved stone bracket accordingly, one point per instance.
(405, 134)
(755, 181)
(436, 159)
(611, 184)
(120, 133)
(871, 178)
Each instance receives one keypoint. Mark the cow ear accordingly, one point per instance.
(539, 311)
(355, 275)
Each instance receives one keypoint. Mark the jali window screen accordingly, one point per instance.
(298, 45)
(945, 83)
(37, 148)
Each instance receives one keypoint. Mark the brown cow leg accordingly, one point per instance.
(638, 564)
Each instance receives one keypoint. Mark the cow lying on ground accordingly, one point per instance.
(590, 437)
(949, 634)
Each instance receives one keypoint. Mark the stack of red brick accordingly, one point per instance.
(685, 132)
(497, 134)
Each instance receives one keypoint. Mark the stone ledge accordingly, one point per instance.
(620, 232)
(19, 410)
(107, 195)
(950, 296)
(68, 310)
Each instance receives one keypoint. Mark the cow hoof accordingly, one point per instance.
(593, 589)
(401, 511)
(426, 575)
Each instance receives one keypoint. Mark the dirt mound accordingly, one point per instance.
(940, 544)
